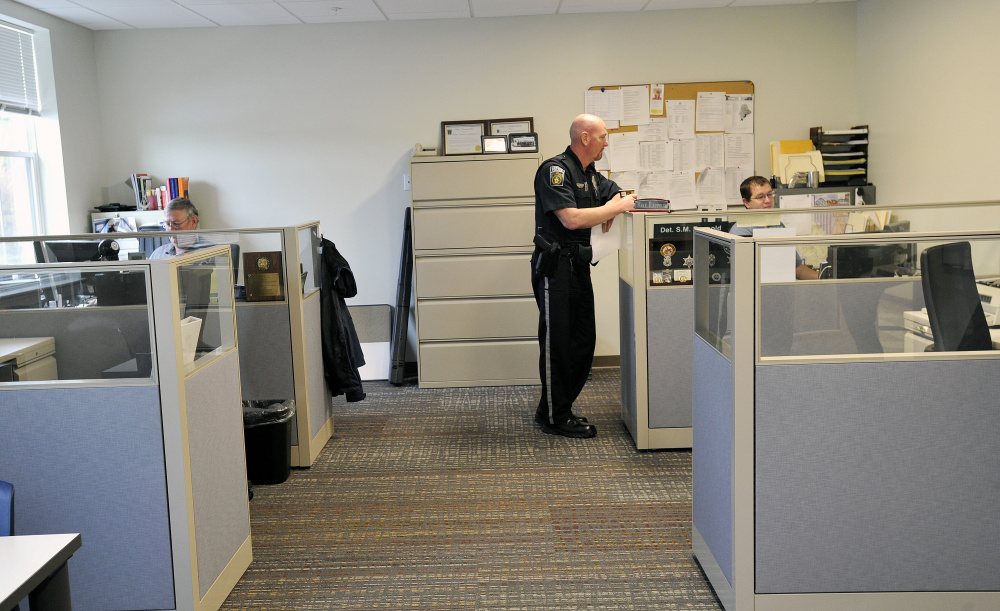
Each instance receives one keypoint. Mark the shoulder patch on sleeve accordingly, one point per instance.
(556, 175)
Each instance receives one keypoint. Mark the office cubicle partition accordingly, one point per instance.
(280, 351)
(656, 291)
(135, 440)
(828, 474)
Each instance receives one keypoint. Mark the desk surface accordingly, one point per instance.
(26, 561)
(23, 349)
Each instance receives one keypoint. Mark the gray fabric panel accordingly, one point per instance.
(320, 398)
(712, 454)
(265, 341)
(90, 460)
(626, 307)
(88, 340)
(218, 469)
(372, 323)
(670, 329)
(878, 477)
(862, 317)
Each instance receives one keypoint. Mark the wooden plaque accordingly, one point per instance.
(263, 274)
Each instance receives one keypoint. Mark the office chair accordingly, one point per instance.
(6, 509)
(952, 299)
(7, 514)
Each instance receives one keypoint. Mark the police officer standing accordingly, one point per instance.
(571, 196)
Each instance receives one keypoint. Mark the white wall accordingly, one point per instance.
(929, 87)
(73, 172)
(281, 124)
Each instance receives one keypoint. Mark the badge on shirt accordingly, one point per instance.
(594, 179)
(556, 175)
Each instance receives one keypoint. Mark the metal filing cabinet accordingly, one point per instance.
(473, 223)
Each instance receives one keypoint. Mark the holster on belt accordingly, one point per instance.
(548, 253)
(546, 256)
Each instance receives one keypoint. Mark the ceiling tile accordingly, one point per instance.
(156, 16)
(334, 11)
(88, 19)
(601, 6)
(49, 4)
(661, 5)
(768, 2)
(509, 8)
(425, 9)
(245, 14)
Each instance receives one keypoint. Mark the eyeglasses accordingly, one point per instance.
(762, 196)
(174, 224)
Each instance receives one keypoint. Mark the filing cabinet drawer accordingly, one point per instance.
(478, 318)
(469, 177)
(473, 275)
(473, 226)
(487, 363)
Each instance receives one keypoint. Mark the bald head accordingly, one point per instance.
(588, 137)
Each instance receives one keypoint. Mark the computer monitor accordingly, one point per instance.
(120, 288)
(66, 251)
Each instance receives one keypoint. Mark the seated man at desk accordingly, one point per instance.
(758, 195)
(180, 214)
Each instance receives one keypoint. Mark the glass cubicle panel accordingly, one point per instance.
(309, 253)
(84, 322)
(875, 296)
(715, 288)
(205, 304)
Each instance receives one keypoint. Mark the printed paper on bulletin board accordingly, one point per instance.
(725, 147)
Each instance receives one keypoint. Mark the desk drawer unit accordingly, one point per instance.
(473, 223)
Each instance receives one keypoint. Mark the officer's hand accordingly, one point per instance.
(627, 202)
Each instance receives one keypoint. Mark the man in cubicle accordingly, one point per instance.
(179, 215)
(757, 194)
(571, 197)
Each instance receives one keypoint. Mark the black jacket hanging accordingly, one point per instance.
(342, 356)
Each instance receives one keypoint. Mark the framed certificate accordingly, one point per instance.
(462, 137)
(503, 127)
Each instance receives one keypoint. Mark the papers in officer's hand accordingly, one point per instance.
(603, 244)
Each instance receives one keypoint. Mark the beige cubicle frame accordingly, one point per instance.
(737, 364)
(199, 472)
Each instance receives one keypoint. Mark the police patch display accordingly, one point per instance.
(556, 175)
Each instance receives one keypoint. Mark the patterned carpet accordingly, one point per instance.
(453, 499)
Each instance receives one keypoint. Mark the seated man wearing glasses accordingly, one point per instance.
(758, 195)
(180, 214)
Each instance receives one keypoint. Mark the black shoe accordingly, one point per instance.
(570, 428)
(540, 419)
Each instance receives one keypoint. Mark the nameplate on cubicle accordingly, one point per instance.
(263, 275)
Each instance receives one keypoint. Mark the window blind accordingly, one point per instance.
(18, 80)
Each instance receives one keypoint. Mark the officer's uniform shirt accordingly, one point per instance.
(563, 182)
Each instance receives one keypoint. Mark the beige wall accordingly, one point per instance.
(929, 87)
(282, 124)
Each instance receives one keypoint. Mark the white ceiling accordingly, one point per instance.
(141, 14)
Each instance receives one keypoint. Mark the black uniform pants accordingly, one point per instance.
(567, 335)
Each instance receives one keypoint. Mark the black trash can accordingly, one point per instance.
(267, 437)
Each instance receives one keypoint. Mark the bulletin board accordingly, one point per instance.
(736, 140)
